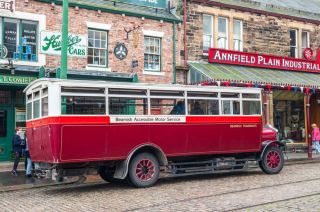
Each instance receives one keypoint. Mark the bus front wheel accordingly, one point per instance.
(143, 170)
(272, 161)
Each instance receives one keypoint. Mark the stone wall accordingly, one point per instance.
(261, 33)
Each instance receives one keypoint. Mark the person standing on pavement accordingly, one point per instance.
(28, 160)
(17, 145)
(316, 137)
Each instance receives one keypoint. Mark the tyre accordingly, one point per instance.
(106, 174)
(143, 170)
(272, 161)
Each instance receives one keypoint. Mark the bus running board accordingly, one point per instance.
(219, 165)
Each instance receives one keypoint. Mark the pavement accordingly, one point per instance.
(8, 182)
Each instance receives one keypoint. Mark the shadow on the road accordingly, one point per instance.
(96, 187)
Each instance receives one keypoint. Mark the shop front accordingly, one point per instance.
(12, 109)
(290, 89)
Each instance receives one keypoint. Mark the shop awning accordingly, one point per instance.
(232, 73)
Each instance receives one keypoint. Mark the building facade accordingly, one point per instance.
(124, 40)
(268, 30)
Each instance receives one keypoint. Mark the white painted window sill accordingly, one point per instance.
(97, 68)
(156, 73)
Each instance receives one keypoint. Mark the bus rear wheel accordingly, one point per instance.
(143, 170)
(272, 161)
(106, 174)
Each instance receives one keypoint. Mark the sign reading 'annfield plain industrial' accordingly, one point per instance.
(263, 60)
(51, 44)
(149, 3)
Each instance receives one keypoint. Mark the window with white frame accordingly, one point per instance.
(97, 47)
(305, 40)
(293, 43)
(18, 39)
(222, 33)
(237, 35)
(207, 32)
(152, 53)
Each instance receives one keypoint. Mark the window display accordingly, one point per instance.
(289, 116)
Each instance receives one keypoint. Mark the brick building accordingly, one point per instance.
(253, 28)
(107, 38)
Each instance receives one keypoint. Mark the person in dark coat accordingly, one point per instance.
(17, 145)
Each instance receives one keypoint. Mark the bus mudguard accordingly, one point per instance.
(267, 144)
(122, 167)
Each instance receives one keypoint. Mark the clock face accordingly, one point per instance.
(120, 51)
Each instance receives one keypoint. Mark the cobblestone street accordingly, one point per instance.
(296, 188)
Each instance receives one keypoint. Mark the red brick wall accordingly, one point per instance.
(77, 25)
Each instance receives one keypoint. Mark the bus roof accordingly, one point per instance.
(45, 82)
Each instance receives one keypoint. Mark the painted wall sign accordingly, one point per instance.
(7, 6)
(51, 44)
(16, 79)
(263, 60)
(149, 3)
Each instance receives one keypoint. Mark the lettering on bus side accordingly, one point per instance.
(147, 119)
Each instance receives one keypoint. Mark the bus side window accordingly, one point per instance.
(230, 107)
(82, 105)
(203, 107)
(128, 106)
(167, 106)
(251, 107)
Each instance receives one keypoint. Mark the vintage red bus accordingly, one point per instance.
(133, 131)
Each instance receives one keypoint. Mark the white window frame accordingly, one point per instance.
(106, 48)
(41, 19)
(241, 35)
(226, 32)
(308, 40)
(211, 33)
(160, 55)
(296, 44)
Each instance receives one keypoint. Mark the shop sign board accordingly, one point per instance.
(19, 80)
(7, 6)
(51, 44)
(150, 3)
(262, 60)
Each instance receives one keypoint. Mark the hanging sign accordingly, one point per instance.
(7, 6)
(51, 44)
(149, 3)
(263, 60)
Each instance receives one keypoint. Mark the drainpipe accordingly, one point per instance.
(64, 47)
(308, 128)
(185, 32)
(174, 53)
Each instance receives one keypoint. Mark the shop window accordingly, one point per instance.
(222, 33)
(152, 54)
(237, 35)
(20, 119)
(20, 97)
(3, 123)
(305, 40)
(5, 97)
(128, 106)
(207, 32)
(97, 48)
(82, 105)
(293, 43)
(19, 39)
(289, 116)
